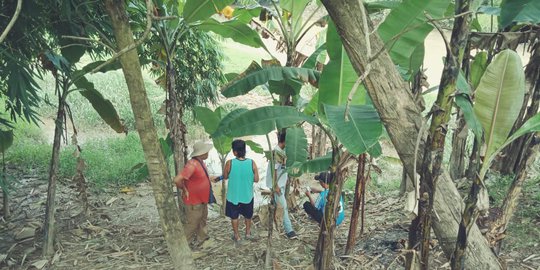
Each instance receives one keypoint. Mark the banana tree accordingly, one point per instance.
(210, 121)
(498, 100)
(67, 81)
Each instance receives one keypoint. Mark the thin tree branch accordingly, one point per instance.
(149, 15)
(91, 40)
(12, 21)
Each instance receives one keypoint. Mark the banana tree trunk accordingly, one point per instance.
(459, 151)
(50, 208)
(513, 195)
(160, 180)
(359, 198)
(403, 120)
(324, 252)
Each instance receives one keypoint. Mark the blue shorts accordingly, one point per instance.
(235, 210)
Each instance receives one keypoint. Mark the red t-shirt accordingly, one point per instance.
(197, 183)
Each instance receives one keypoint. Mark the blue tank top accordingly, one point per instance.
(240, 187)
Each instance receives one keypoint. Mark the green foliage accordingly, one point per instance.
(478, 67)
(313, 166)
(358, 130)
(519, 11)
(406, 27)
(103, 107)
(236, 30)
(200, 10)
(100, 156)
(6, 140)
(499, 97)
(260, 121)
(256, 75)
(296, 147)
(463, 100)
(338, 76)
(210, 121)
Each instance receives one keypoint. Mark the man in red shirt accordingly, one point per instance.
(194, 182)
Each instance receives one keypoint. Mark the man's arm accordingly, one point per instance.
(179, 182)
(255, 172)
(308, 194)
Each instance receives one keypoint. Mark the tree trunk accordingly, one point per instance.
(434, 148)
(5, 198)
(176, 126)
(50, 228)
(359, 192)
(498, 226)
(324, 252)
(459, 151)
(403, 120)
(160, 180)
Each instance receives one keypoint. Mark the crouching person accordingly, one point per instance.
(315, 208)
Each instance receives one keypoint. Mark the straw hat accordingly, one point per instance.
(201, 148)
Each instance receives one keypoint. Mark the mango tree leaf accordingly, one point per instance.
(360, 131)
(112, 66)
(255, 147)
(235, 30)
(406, 27)
(499, 97)
(256, 75)
(296, 149)
(103, 106)
(338, 76)
(478, 67)
(520, 11)
(6, 139)
(199, 10)
(262, 120)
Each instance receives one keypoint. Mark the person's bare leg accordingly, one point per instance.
(248, 226)
(234, 223)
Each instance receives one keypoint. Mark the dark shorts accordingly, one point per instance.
(235, 210)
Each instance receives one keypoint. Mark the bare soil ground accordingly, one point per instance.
(122, 231)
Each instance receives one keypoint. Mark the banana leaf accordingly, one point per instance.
(200, 10)
(499, 97)
(338, 76)
(406, 27)
(261, 121)
(360, 131)
(296, 149)
(256, 75)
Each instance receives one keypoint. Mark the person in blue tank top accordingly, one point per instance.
(315, 209)
(242, 173)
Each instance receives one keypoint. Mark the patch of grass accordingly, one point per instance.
(498, 187)
(109, 161)
(113, 87)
